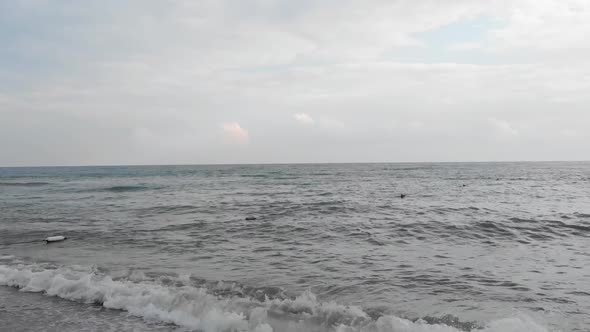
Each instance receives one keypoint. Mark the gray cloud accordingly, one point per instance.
(164, 82)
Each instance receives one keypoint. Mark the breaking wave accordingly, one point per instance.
(202, 308)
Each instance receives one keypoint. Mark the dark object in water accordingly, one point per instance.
(250, 218)
(402, 196)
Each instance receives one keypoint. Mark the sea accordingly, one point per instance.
(405, 247)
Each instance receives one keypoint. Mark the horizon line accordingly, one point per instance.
(303, 163)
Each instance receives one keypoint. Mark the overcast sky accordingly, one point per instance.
(219, 81)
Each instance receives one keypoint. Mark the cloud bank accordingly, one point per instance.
(151, 81)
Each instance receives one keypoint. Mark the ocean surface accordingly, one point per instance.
(484, 247)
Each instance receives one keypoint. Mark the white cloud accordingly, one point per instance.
(235, 132)
(304, 118)
(503, 128)
(544, 25)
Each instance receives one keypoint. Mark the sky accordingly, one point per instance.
(283, 81)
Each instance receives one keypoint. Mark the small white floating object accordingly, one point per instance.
(55, 238)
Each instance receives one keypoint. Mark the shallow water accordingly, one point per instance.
(492, 246)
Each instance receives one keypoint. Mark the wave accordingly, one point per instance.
(23, 184)
(120, 189)
(256, 176)
(175, 209)
(199, 308)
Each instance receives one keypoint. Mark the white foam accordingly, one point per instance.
(55, 238)
(196, 308)
(137, 276)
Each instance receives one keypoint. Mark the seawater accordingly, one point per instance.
(471, 247)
